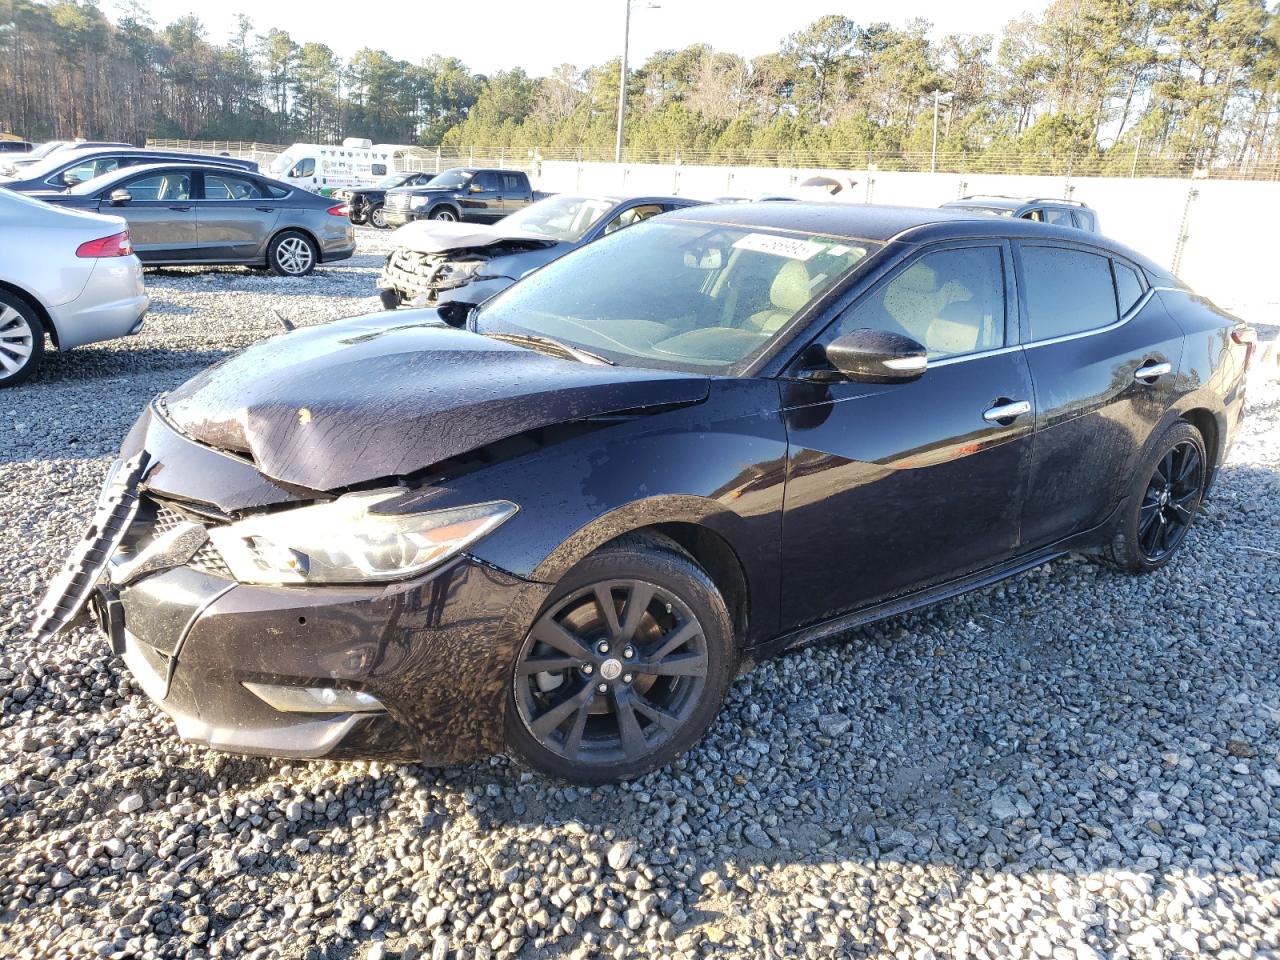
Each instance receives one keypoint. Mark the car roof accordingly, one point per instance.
(882, 224)
(82, 153)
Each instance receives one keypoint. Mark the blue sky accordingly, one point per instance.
(540, 34)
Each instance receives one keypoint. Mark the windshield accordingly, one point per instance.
(55, 161)
(675, 294)
(387, 183)
(452, 179)
(45, 149)
(281, 163)
(560, 217)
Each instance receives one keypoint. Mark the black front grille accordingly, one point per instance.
(157, 517)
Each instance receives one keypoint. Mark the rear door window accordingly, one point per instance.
(1058, 217)
(1128, 286)
(1067, 291)
(511, 183)
(221, 186)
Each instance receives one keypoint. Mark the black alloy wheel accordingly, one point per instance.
(1163, 501)
(620, 674)
(1170, 502)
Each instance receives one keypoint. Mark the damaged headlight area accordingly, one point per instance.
(456, 274)
(347, 541)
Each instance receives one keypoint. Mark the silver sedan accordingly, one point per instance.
(69, 275)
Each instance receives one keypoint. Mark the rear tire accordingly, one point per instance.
(665, 666)
(1162, 502)
(378, 217)
(21, 339)
(292, 254)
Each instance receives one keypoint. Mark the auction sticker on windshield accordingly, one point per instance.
(780, 246)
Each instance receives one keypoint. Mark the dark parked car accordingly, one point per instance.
(462, 193)
(1059, 213)
(66, 168)
(685, 447)
(366, 202)
(188, 213)
(443, 262)
(16, 146)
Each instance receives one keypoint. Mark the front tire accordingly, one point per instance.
(444, 214)
(625, 667)
(1162, 502)
(292, 254)
(377, 217)
(21, 339)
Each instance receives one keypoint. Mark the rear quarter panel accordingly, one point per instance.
(1212, 375)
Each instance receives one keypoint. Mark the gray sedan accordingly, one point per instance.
(188, 213)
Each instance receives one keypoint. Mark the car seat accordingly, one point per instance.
(790, 291)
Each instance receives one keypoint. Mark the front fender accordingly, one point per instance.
(718, 465)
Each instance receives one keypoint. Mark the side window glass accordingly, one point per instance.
(511, 183)
(304, 168)
(1060, 218)
(160, 186)
(276, 193)
(224, 187)
(1068, 291)
(633, 215)
(1128, 286)
(1036, 215)
(487, 181)
(951, 301)
(378, 169)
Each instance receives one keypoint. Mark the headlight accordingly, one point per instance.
(346, 541)
(416, 202)
(453, 275)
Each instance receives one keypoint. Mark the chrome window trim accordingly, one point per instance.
(960, 358)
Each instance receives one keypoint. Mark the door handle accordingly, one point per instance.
(265, 209)
(1148, 372)
(1007, 411)
(180, 208)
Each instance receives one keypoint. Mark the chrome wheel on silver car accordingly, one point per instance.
(378, 217)
(292, 255)
(21, 340)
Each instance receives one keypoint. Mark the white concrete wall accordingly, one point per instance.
(1231, 253)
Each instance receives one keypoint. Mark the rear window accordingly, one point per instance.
(1128, 286)
(1068, 291)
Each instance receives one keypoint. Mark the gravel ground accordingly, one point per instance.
(1074, 764)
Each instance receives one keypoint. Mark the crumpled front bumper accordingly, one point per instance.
(435, 652)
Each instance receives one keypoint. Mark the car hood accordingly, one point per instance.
(441, 236)
(393, 394)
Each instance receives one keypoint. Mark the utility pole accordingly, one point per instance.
(938, 97)
(622, 78)
(622, 83)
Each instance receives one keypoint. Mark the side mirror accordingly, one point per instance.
(477, 188)
(454, 313)
(877, 356)
(120, 195)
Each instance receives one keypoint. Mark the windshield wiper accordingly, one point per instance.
(535, 341)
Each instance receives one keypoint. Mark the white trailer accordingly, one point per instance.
(322, 168)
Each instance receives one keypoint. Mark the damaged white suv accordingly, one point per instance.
(436, 261)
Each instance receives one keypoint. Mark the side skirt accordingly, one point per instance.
(1084, 541)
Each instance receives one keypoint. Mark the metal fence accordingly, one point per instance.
(1113, 163)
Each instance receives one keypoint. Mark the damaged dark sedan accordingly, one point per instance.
(561, 528)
